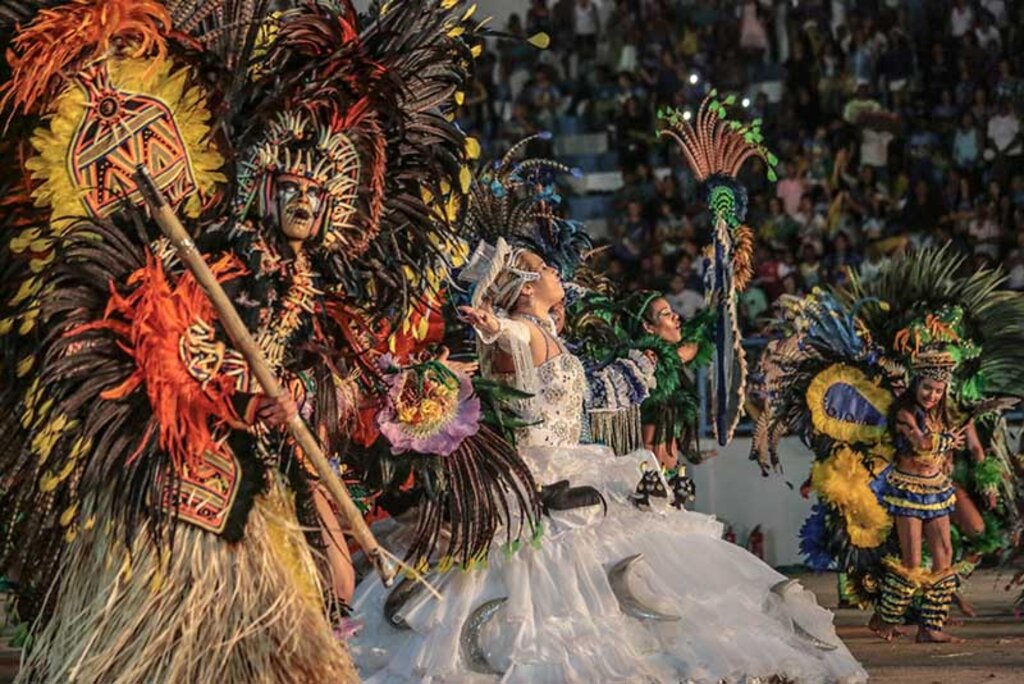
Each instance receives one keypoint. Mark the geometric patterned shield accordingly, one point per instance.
(120, 130)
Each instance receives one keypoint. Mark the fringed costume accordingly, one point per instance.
(158, 529)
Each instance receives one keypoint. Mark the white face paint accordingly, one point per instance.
(299, 201)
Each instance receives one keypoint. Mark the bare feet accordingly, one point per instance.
(965, 606)
(883, 629)
(925, 636)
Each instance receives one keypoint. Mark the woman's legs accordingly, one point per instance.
(339, 561)
(966, 516)
(939, 593)
(908, 531)
(899, 584)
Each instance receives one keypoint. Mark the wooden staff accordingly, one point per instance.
(244, 342)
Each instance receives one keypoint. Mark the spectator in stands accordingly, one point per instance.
(539, 18)
(633, 234)
(987, 35)
(633, 131)
(769, 270)
(684, 301)
(873, 263)
(984, 230)
(544, 98)
(942, 115)
(922, 210)
(778, 227)
(791, 188)
(840, 260)
(586, 28)
(967, 143)
(753, 303)
(961, 18)
(810, 269)
(1004, 141)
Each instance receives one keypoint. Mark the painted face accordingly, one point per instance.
(300, 204)
(662, 321)
(930, 393)
(548, 288)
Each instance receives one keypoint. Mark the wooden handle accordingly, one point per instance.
(244, 343)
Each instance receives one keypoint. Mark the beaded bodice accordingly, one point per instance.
(558, 404)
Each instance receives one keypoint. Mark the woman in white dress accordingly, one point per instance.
(626, 595)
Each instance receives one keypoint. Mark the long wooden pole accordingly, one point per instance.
(244, 343)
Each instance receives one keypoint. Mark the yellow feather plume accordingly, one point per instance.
(844, 481)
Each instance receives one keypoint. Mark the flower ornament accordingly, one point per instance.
(429, 410)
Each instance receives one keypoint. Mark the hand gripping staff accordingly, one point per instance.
(244, 342)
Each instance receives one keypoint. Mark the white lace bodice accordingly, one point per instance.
(558, 386)
(558, 403)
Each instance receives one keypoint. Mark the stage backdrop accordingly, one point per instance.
(731, 487)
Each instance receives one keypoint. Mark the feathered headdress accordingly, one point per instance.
(518, 200)
(494, 276)
(715, 149)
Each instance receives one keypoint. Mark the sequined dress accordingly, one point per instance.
(689, 607)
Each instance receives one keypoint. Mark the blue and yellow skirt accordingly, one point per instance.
(918, 496)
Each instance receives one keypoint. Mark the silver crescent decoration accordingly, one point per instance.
(397, 599)
(618, 578)
(472, 653)
(780, 590)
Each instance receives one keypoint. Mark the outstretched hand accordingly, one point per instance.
(481, 318)
(959, 437)
(458, 367)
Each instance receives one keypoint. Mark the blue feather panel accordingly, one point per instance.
(848, 406)
(845, 402)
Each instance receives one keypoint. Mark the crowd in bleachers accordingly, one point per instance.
(897, 123)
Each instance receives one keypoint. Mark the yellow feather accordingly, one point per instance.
(27, 288)
(68, 516)
(25, 366)
(843, 481)
(23, 240)
(540, 40)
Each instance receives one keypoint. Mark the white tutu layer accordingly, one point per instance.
(562, 621)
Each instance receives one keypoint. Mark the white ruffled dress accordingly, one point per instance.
(631, 596)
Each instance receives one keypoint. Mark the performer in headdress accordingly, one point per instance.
(887, 381)
(149, 508)
(919, 493)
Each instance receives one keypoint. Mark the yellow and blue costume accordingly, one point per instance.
(919, 496)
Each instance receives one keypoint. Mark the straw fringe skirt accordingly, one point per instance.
(208, 612)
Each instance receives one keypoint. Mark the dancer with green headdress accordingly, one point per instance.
(889, 383)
